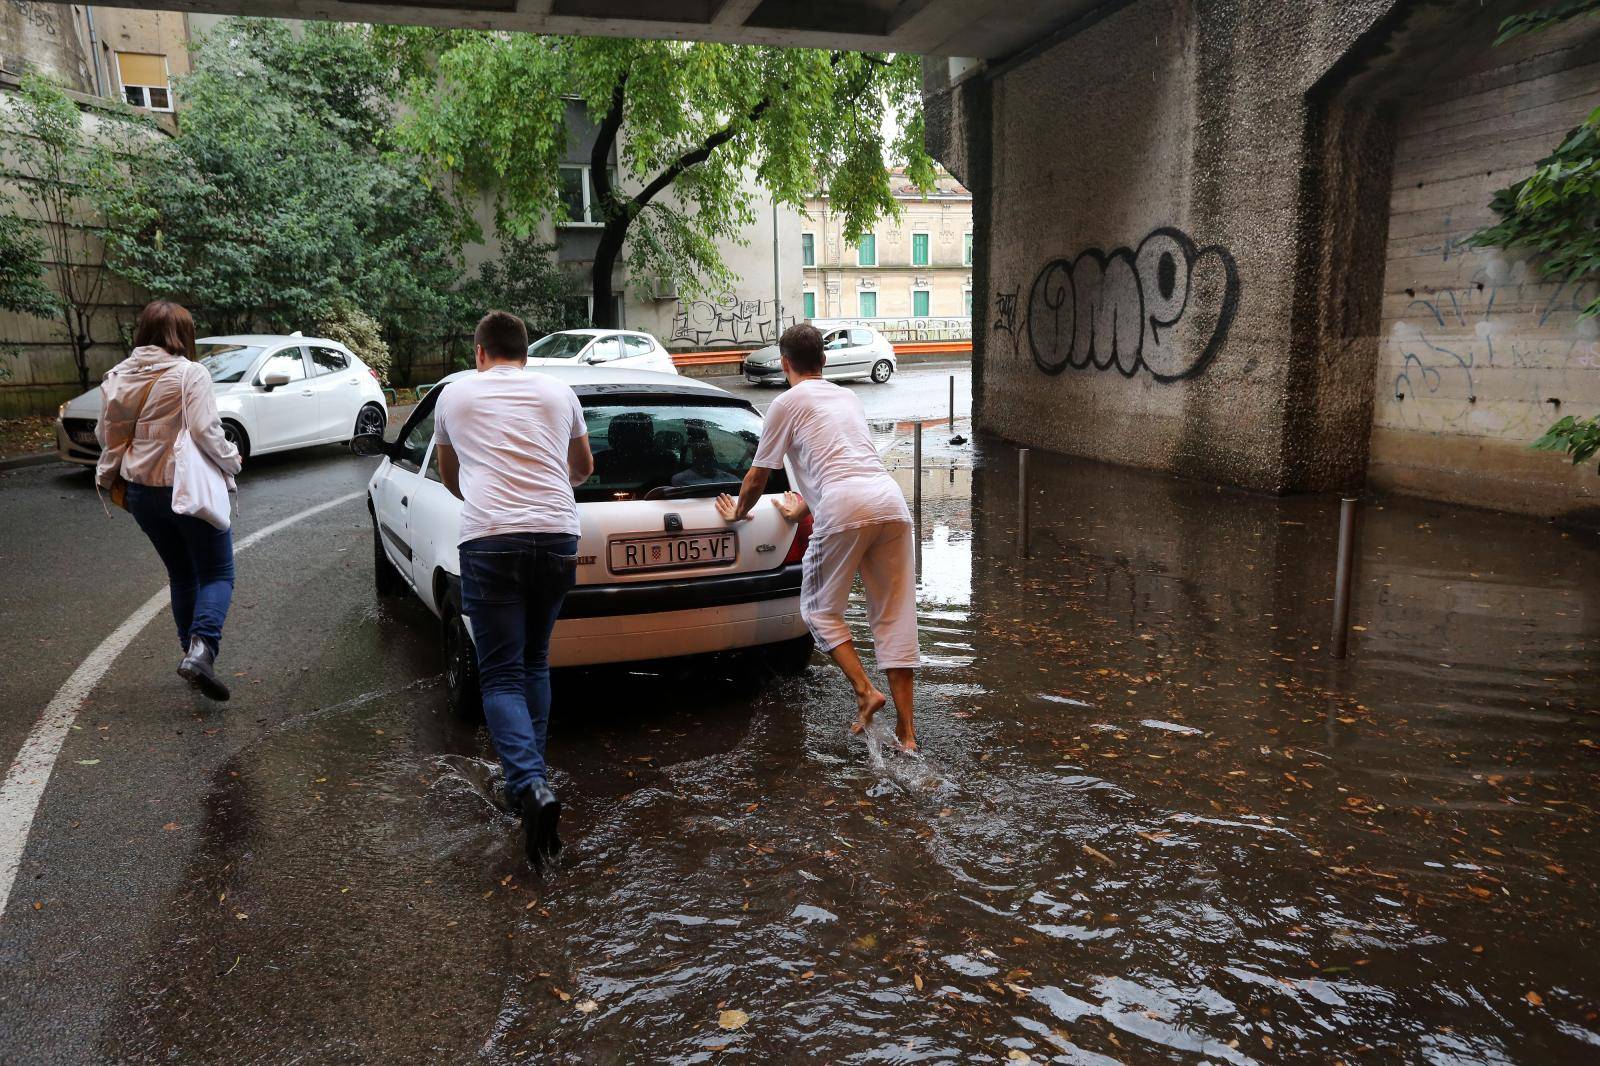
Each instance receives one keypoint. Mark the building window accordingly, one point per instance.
(577, 193)
(811, 304)
(808, 249)
(919, 303)
(616, 309)
(144, 81)
(966, 250)
(919, 249)
(968, 295)
(867, 251)
(867, 304)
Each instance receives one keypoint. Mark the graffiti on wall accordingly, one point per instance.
(1162, 307)
(727, 319)
(1005, 318)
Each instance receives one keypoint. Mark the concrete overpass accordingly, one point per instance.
(1222, 238)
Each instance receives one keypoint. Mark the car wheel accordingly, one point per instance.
(237, 437)
(385, 578)
(460, 663)
(789, 658)
(370, 419)
(881, 371)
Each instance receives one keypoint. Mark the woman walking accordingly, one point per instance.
(150, 398)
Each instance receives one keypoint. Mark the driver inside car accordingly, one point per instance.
(703, 468)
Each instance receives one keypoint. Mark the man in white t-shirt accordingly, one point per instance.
(862, 525)
(512, 445)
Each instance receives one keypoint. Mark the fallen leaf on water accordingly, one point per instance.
(88, 762)
(808, 975)
(1018, 1055)
(170, 826)
(1099, 855)
(732, 1019)
(1535, 999)
(916, 979)
(562, 996)
(587, 1006)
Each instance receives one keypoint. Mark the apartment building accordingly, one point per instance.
(911, 277)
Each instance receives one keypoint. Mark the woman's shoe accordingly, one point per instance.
(541, 823)
(199, 669)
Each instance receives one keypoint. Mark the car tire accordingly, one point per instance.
(237, 437)
(386, 580)
(370, 419)
(789, 658)
(882, 370)
(461, 690)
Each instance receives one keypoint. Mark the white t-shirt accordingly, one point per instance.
(823, 429)
(511, 429)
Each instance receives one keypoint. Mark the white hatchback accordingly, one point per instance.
(660, 575)
(273, 392)
(617, 348)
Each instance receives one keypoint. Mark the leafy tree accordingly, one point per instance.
(689, 122)
(283, 201)
(21, 288)
(358, 331)
(527, 282)
(1555, 211)
(80, 179)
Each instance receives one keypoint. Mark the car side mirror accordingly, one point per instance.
(371, 445)
(274, 378)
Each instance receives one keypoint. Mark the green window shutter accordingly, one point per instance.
(919, 303)
(966, 252)
(811, 305)
(868, 303)
(919, 249)
(808, 250)
(867, 250)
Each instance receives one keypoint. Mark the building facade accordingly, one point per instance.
(911, 276)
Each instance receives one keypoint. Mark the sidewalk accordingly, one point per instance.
(27, 441)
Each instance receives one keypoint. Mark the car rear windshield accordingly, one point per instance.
(226, 363)
(670, 450)
(559, 346)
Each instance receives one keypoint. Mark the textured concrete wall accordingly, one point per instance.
(47, 39)
(1473, 347)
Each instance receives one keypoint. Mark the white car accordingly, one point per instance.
(852, 350)
(274, 393)
(590, 347)
(660, 574)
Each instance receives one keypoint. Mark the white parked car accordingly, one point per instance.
(660, 575)
(853, 351)
(591, 347)
(274, 393)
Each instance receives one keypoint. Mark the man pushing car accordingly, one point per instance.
(862, 525)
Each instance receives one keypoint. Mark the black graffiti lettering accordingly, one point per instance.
(1120, 309)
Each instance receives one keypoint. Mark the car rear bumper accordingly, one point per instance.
(631, 623)
(73, 451)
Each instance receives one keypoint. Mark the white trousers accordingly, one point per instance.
(885, 556)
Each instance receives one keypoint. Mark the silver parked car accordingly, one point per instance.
(853, 351)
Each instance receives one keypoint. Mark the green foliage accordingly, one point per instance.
(21, 288)
(1532, 21)
(280, 204)
(527, 282)
(358, 331)
(1578, 437)
(694, 118)
(82, 180)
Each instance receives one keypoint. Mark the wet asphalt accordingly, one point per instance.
(1154, 821)
(133, 797)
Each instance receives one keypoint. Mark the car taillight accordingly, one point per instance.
(802, 538)
(375, 376)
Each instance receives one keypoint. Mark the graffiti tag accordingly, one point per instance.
(726, 319)
(1122, 309)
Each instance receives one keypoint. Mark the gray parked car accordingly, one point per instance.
(854, 351)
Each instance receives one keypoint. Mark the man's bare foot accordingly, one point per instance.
(906, 742)
(866, 707)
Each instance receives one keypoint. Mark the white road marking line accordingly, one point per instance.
(30, 772)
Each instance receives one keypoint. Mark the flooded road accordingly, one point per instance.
(1154, 821)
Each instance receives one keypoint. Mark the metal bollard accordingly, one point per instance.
(952, 402)
(916, 478)
(1341, 575)
(1022, 502)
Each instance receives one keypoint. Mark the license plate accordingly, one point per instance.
(674, 551)
(83, 436)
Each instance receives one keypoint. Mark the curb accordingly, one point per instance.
(19, 462)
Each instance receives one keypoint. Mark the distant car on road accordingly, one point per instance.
(617, 348)
(660, 574)
(273, 392)
(853, 351)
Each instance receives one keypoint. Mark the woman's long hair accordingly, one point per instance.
(166, 325)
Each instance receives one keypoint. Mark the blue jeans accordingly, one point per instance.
(199, 561)
(512, 586)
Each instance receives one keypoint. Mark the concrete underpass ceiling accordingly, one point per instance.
(985, 29)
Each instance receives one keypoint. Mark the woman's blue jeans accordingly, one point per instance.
(199, 561)
(512, 587)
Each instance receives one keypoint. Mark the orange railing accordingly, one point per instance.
(903, 348)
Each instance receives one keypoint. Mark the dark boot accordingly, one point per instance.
(541, 818)
(199, 669)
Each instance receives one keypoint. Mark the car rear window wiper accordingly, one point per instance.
(685, 492)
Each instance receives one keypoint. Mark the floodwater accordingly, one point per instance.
(1154, 822)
